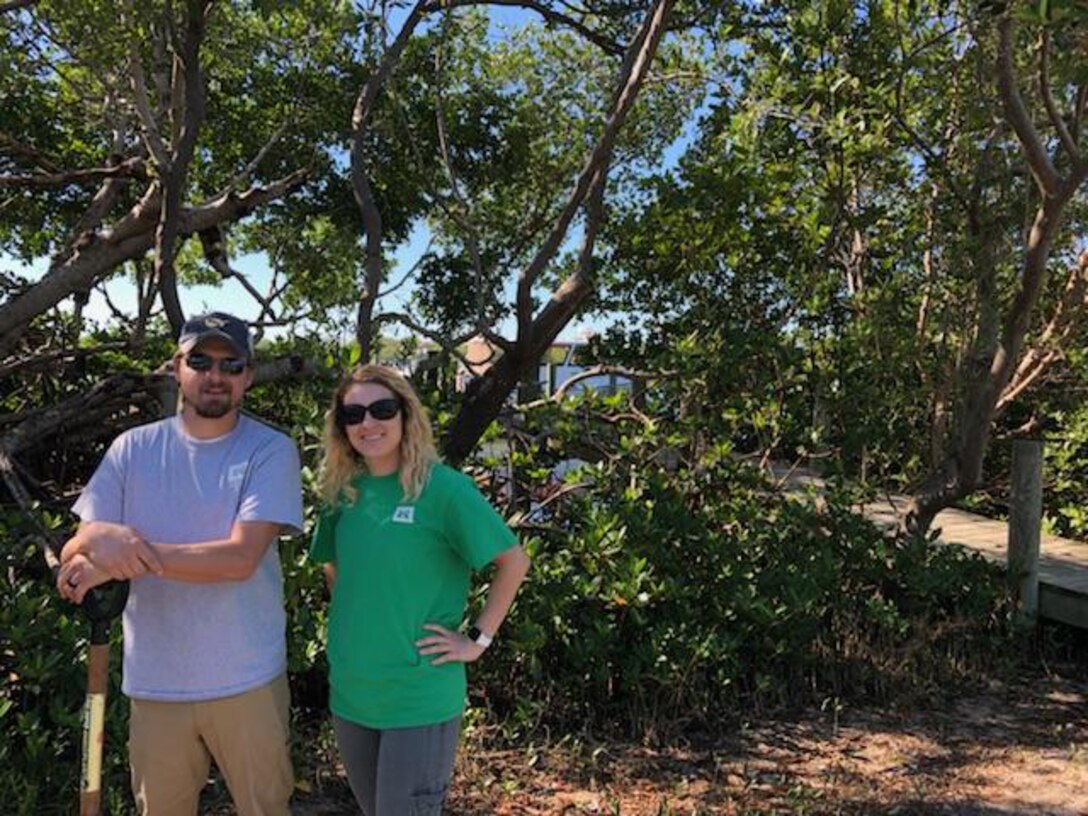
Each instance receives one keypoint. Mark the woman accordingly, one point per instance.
(399, 536)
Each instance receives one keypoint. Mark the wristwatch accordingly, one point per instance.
(478, 637)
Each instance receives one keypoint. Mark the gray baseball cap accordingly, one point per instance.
(216, 324)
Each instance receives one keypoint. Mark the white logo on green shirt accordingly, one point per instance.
(405, 514)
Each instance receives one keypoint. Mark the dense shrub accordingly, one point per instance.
(666, 599)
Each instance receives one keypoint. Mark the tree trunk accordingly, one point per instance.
(961, 471)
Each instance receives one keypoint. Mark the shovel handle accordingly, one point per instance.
(94, 718)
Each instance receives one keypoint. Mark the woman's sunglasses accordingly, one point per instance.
(355, 413)
(231, 366)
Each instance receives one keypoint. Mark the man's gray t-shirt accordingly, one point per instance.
(199, 641)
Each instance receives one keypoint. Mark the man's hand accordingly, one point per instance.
(78, 576)
(116, 549)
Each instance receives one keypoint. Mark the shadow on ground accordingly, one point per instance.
(1019, 748)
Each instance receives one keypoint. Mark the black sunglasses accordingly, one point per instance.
(232, 366)
(355, 413)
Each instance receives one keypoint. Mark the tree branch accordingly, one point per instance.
(446, 344)
(47, 359)
(89, 407)
(35, 156)
(128, 169)
(176, 171)
(560, 392)
(486, 394)
(411, 271)
(251, 168)
(1078, 111)
(110, 191)
(461, 212)
(81, 269)
(1052, 339)
(551, 16)
(933, 159)
(632, 73)
(364, 196)
(152, 137)
(1048, 99)
(1017, 114)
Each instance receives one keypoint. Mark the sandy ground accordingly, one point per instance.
(1017, 748)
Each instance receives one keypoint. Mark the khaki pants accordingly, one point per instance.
(171, 746)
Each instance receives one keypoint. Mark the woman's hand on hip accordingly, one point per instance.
(448, 645)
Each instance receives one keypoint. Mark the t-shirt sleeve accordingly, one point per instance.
(323, 541)
(103, 498)
(273, 489)
(477, 531)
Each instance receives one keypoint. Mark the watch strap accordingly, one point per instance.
(478, 637)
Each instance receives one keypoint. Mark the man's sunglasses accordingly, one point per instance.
(355, 413)
(231, 366)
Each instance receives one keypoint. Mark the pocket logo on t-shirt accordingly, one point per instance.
(405, 514)
(236, 474)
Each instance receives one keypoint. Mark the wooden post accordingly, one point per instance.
(1025, 526)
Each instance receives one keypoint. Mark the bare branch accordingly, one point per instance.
(552, 16)
(521, 519)
(462, 212)
(11, 145)
(251, 168)
(1048, 99)
(1017, 114)
(130, 168)
(47, 539)
(90, 406)
(561, 391)
(110, 191)
(446, 344)
(176, 172)
(152, 138)
(411, 271)
(1052, 339)
(364, 196)
(116, 310)
(47, 359)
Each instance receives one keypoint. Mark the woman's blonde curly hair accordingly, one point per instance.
(342, 463)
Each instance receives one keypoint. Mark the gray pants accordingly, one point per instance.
(398, 771)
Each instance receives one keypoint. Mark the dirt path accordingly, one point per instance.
(1009, 749)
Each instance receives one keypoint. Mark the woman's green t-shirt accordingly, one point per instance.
(400, 565)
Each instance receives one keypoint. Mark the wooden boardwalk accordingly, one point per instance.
(1063, 563)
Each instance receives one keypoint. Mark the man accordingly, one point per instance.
(190, 508)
